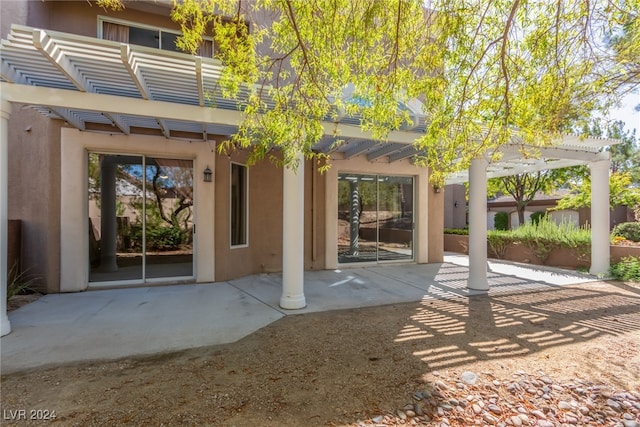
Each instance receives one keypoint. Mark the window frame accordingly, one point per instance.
(102, 19)
(246, 206)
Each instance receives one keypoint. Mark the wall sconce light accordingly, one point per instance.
(207, 174)
(455, 204)
(436, 188)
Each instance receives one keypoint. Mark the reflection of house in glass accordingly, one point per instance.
(375, 218)
(140, 217)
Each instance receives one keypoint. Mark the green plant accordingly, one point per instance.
(628, 230)
(20, 282)
(501, 221)
(457, 231)
(499, 241)
(628, 269)
(542, 238)
(536, 217)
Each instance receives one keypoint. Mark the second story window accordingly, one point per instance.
(141, 35)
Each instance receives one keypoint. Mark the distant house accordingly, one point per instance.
(455, 209)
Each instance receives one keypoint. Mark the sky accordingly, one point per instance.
(627, 114)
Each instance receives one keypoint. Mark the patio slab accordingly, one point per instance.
(117, 323)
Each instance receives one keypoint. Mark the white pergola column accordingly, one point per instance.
(5, 113)
(293, 238)
(600, 249)
(478, 225)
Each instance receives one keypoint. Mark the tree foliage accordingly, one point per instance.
(620, 193)
(526, 186)
(480, 68)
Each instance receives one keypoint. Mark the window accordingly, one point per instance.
(238, 204)
(141, 35)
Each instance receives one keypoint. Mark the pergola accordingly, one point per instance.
(103, 86)
(570, 151)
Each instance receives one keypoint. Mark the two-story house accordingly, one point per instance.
(114, 174)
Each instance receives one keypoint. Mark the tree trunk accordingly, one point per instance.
(520, 214)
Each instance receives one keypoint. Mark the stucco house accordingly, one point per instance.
(108, 157)
(107, 125)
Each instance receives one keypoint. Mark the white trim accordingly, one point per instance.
(246, 196)
(362, 166)
(102, 19)
(74, 208)
(413, 220)
(143, 279)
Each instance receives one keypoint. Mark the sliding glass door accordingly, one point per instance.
(375, 218)
(140, 218)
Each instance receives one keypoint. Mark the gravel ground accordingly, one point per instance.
(561, 356)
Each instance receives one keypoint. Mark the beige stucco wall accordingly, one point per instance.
(263, 253)
(34, 193)
(455, 206)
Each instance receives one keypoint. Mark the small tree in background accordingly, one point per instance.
(621, 192)
(501, 221)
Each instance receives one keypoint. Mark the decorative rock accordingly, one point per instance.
(488, 418)
(613, 404)
(476, 408)
(524, 418)
(402, 415)
(516, 421)
(441, 385)
(564, 405)
(378, 419)
(630, 423)
(469, 377)
(417, 395)
(495, 409)
(418, 410)
(538, 414)
(410, 413)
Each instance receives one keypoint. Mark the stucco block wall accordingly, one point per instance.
(455, 206)
(34, 193)
(263, 254)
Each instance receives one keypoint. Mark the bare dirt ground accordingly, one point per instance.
(389, 365)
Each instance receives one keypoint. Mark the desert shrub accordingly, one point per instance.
(628, 269)
(536, 217)
(20, 282)
(501, 221)
(498, 241)
(164, 238)
(457, 231)
(542, 238)
(628, 230)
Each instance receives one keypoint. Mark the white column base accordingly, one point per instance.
(5, 327)
(293, 302)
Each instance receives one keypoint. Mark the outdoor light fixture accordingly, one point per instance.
(436, 188)
(455, 204)
(207, 174)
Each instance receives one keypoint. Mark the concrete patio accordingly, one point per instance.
(116, 323)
